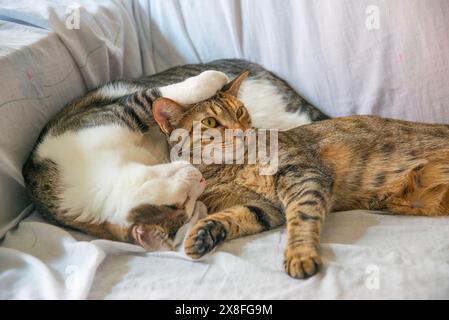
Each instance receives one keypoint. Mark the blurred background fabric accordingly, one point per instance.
(387, 57)
(383, 57)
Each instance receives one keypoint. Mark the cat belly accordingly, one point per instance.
(99, 168)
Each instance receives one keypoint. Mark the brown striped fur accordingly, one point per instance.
(128, 103)
(358, 162)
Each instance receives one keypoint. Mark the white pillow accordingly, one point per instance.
(43, 66)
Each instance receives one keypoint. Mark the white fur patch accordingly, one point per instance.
(106, 171)
(195, 89)
(267, 107)
(191, 90)
(103, 182)
(118, 89)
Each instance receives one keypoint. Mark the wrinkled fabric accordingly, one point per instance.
(346, 57)
(42, 261)
(365, 256)
(44, 65)
(383, 57)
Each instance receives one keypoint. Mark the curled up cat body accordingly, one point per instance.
(358, 162)
(101, 164)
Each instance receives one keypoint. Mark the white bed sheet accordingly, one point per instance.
(365, 255)
(323, 49)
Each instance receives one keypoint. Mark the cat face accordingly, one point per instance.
(221, 112)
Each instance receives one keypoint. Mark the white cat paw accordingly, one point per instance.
(172, 169)
(190, 184)
(205, 85)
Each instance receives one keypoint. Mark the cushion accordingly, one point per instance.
(43, 66)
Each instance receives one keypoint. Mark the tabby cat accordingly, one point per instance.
(357, 162)
(101, 165)
(271, 101)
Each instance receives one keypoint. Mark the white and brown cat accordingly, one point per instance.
(101, 164)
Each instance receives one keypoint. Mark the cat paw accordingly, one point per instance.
(190, 184)
(205, 236)
(188, 175)
(174, 167)
(302, 262)
(205, 85)
(150, 237)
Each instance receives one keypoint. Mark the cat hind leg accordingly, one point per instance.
(424, 190)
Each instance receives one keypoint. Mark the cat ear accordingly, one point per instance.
(167, 113)
(233, 87)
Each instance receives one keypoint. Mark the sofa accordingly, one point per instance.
(383, 57)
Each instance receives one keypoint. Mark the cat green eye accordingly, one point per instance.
(210, 122)
(239, 112)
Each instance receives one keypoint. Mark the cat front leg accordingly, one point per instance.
(195, 89)
(231, 223)
(306, 203)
